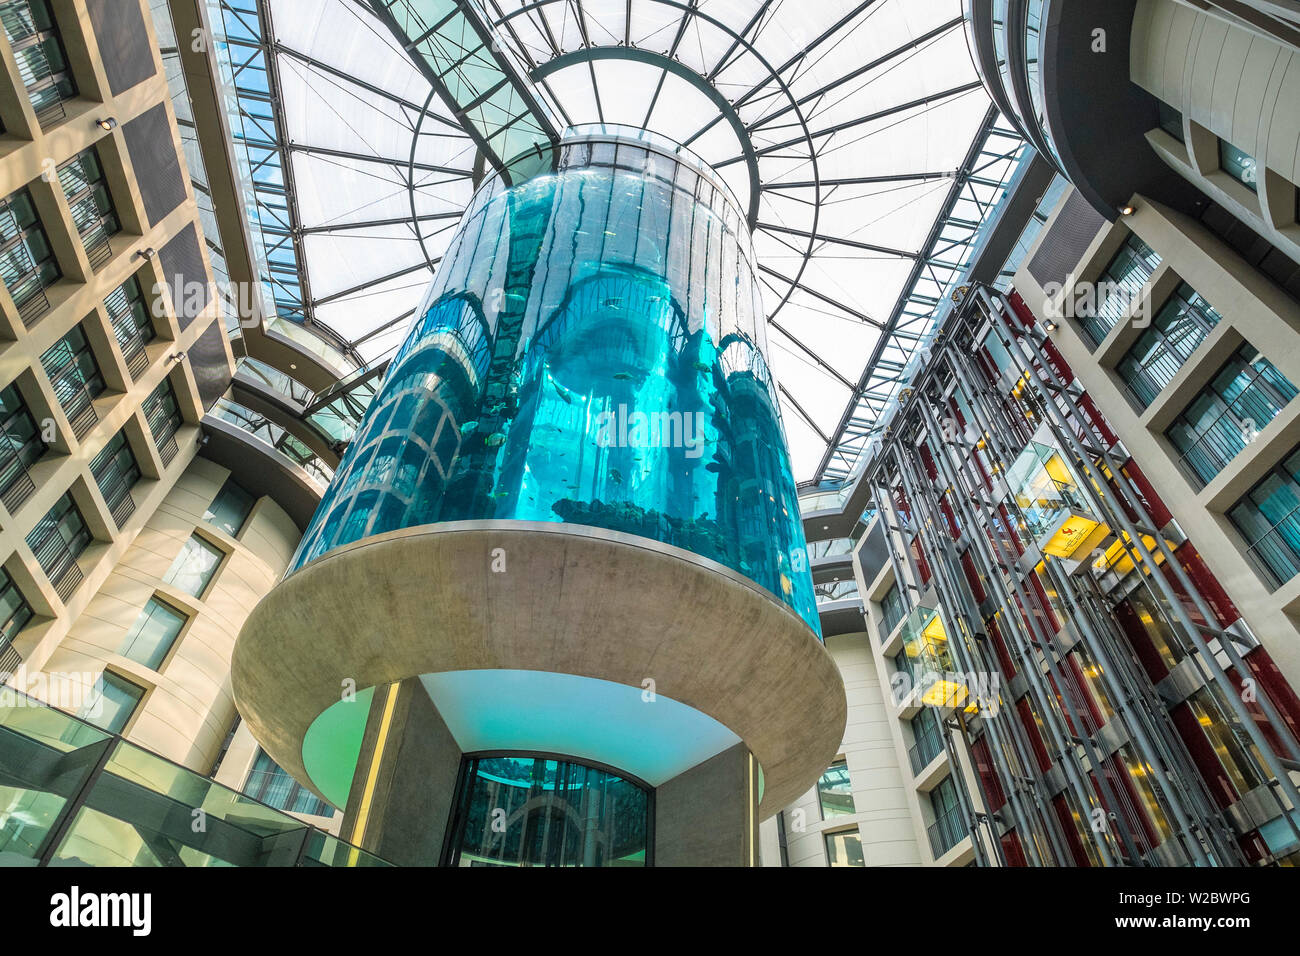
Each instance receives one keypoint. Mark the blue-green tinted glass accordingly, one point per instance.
(532, 811)
(1225, 416)
(113, 702)
(835, 792)
(1239, 164)
(1268, 517)
(1119, 287)
(153, 634)
(592, 351)
(1153, 361)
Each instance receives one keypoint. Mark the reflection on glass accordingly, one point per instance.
(153, 634)
(534, 811)
(112, 702)
(835, 792)
(194, 566)
(591, 351)
(844, 848)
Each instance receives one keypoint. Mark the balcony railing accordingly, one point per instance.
(927, 747)
(10, 659)
(60, 565)
(946, 831)
(1218, 444)
(75, 399)
(835, 591)
(95, 232)
(117, 496)
(16, 484)
(1277, 554)
(134, 354)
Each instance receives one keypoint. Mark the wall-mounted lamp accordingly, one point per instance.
(178, 357)
(1049, 326)
(1127, 210)
(145, 253)
(108, 122)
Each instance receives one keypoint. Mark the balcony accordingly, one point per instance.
(921, 754)
(946, 831)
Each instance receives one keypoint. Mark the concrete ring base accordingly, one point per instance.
(573, 600)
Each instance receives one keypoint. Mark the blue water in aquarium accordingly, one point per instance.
(590, 351)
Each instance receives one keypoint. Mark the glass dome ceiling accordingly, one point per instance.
(855, 132)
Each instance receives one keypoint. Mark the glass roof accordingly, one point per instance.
(854, 131)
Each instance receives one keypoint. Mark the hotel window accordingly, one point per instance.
(194, 567)
(58, 539)
(844, 848)
(1238, 164)
(892, 610)
(15, 612)
(82, 178)
(929, 739)
(112, 703)
(27, 262)
(152, 635)
(903, 665)
(38, 50)
(74, 375)
(116, 471)
(1226, 415)
(835, 792)
(129, 313)
(230, 509)
(947, 829)
(1119, 286)
(20, 447)
(1171, 121)
(162, 412)
(1268, 517)
(1176, 332)
(270, 784)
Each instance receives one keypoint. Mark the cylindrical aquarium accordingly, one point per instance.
(592, 350)
(541, 811)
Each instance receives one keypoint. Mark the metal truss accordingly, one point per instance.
(978, 187)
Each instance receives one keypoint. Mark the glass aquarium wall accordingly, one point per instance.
(538, 811)
(592, 350)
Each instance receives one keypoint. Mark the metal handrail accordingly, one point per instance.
(1272, 550)
(946, 831)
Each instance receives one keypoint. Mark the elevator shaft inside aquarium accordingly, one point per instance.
(592, 350)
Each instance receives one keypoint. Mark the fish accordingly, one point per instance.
(622, 376)
(616, 476)
(468, 427)
(701, 367)
(495, 439)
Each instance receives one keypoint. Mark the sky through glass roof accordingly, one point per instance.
(855, 132)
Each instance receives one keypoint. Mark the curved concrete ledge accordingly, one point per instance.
(572, 600)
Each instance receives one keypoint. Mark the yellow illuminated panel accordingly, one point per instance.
(1118, 559)
(944, 693)
(934, 631)
(1057, 471)
(1069, 536)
